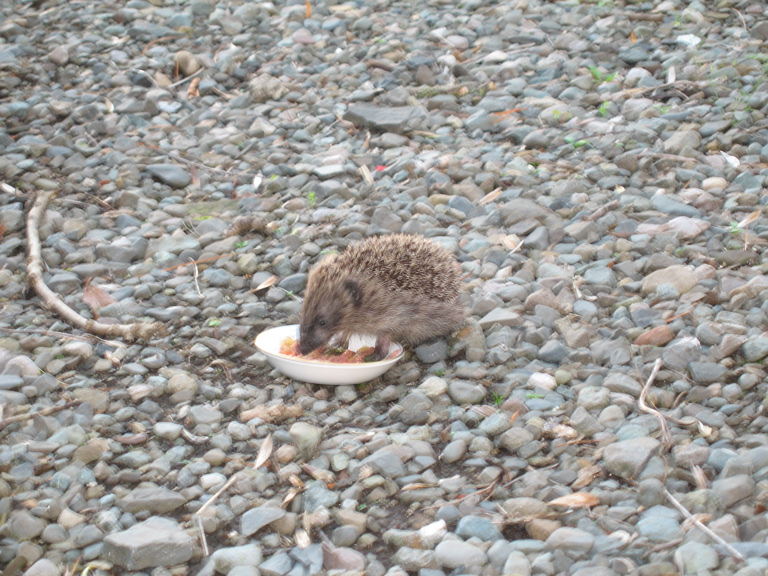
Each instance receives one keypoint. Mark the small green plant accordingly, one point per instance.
(214, 322)
(576, 143)
(497, 398)
(439, 372)
(532, 395)
(662, 108)
(311, 199)
(603, 110)
(735, 228)
(241, 244)
(598, 76)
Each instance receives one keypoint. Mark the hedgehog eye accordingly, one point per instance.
(321, 323)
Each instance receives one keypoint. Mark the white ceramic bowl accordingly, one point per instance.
(317, 371)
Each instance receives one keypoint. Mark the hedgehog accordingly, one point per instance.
(400, 287)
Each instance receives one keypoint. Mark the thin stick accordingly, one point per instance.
(138, 330)
(197, 286)
(44, 412)
(602, 210)
(264, 453)
(730, 549)
(199, 261)
(648, 410)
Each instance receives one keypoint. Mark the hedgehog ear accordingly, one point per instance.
(353, 288)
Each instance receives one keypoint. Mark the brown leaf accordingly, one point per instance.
(586, 476)
(750, 218)
(308, 9)
(192, 91)
(96, 298)
(292, 493)
(632, 36)
(266, 284)
(576, 500)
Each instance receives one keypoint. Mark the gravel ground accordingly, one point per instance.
(597, 168)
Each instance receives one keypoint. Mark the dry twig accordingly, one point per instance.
(264, 453)
(667, 439)
(730, 549)
(138, 330)
(44, 412)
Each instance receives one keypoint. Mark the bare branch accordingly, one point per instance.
(138, 330)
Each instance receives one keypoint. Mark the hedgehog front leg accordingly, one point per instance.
(383, 342)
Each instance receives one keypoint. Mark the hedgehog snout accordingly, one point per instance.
(309, 340)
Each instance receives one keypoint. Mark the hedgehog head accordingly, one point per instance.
(330, 305)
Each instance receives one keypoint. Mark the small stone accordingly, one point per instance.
(186, 62)
(226, 559)
(155, 542)
(658, 336)
(628, 457)
(454, 451)
(154, 499)
(306, 438)
(59, 56)
(257, 518)
(696, 558)
(170, 174)
(574, 542)
(478, 527)
(454, 553)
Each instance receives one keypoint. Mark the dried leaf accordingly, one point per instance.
(319, 474)
(560, 431)
(192, 438)
(96, 298)
(266, 284)
(484, 410)
(265, 451)
(490, 197)
(701, 479)
(586, 476)
(292, 493)
(131, 439)
(671, 77)
(365, 173)
(271, 413)
(296, 481)
(733, 162)
(256, 182)
(704, 430)
(302, 538)
(192, 91)
(632, 37)
(750, 218)
(417, 486)
(365, 472)
(691, 522)
(308, 9)
(576, 500)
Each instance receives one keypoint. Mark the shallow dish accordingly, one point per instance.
(317, 371)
